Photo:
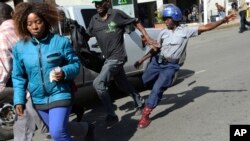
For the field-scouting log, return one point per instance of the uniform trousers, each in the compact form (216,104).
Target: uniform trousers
(161,74)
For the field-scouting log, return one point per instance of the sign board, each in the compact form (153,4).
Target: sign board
(126,6)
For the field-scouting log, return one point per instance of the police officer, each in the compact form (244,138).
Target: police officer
(165,61)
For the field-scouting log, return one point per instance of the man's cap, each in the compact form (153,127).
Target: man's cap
(93,1)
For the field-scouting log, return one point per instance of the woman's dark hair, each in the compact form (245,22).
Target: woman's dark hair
(48,13)
(5,12)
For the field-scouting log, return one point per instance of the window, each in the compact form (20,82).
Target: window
(87,15)
(63,26)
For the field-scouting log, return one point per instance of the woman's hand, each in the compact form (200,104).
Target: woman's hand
(59,76)
(19,109)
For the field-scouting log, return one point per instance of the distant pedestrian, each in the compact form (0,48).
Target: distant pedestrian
(243,13)
(165,61)
(194,13)
(201,12)
(108,26)
(45,64)
(234,5)
(8,38)
(186,13)
(221,11)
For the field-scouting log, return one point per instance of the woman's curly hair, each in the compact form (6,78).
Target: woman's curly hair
(48,13)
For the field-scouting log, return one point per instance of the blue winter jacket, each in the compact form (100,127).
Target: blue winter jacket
(32,62)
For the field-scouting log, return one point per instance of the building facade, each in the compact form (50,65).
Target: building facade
(145,9)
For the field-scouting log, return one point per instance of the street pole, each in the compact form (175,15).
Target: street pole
(226,7)
(205,11)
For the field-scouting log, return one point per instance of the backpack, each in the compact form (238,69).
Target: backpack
(78,37)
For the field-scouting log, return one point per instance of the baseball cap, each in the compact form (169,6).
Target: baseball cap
(93,1)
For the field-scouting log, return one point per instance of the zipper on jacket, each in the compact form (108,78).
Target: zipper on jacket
(40,65)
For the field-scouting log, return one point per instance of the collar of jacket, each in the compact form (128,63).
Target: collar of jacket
(37,41)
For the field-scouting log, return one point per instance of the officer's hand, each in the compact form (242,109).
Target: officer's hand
(230,17)
(19,110)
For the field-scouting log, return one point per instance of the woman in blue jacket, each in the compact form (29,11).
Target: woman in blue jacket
(35,56)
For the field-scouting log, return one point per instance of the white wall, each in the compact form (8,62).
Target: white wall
(211,8)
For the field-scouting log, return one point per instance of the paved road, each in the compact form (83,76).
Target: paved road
(211,93)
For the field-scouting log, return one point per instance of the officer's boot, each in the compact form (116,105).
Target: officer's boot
(145,121)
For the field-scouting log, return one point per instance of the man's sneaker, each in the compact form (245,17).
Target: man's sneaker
(243,30)
(111,120)
(91,132)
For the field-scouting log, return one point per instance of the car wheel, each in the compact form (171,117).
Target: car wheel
(6,133)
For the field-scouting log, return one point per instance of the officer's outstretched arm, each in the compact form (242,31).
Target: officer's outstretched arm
(212,25)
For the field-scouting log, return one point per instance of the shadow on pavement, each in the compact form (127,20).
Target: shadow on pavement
(125,129)
(127,126)
(186,97)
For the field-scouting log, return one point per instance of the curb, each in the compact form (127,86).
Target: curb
(228,25)
(232,24)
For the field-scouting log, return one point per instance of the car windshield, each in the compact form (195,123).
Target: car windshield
(87,14)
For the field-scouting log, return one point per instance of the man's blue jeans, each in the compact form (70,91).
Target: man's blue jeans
(162,75)
(114,68)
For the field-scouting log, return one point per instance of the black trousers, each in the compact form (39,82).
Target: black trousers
(243,20)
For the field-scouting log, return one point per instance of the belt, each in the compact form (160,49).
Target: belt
(162,60)
(170,60)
